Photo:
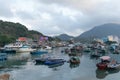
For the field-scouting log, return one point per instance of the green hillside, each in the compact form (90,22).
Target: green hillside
(10,31)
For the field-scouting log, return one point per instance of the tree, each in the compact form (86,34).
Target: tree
(5,40)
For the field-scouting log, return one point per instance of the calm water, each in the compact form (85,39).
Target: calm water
(26,69)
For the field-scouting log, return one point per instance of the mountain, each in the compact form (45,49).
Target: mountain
(101,31)
(64,37)
(10,31)
(16,30)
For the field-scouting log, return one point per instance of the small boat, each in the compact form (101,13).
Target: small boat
(102,66)
(54,61)
(25,48)
(86,49)
(113,65)
(38,52)
(67,51)
(95,54)
(116,51)
(48,48)
(105,60)
(40,60)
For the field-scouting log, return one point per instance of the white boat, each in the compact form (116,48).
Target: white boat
(113,66)
(25,48)
(48,47)
(13,46)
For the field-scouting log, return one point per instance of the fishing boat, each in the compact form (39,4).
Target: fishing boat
(102,66)
(113,65)
(116,51)
(54,61)
(39,51)
(87,50)
(105,60)
(40,60)
(95,54)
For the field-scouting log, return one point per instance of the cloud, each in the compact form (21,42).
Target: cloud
(52,17)
(5,10)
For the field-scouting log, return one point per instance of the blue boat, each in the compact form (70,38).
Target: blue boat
(38,52)
(54,61)
(40,60)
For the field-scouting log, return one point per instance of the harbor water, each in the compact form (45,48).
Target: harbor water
(21,66)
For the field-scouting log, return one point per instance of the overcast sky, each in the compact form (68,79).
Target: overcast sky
(53,17)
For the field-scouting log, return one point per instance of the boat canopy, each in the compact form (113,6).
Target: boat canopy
(105,57)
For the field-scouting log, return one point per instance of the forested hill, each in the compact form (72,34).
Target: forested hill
(10,31)
(64,37)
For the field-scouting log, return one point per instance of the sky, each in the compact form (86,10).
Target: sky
(54,17)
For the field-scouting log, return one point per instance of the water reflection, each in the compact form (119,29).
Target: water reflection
(22,67)
(55,65)
(14,61)
(74,65)
(101,74)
